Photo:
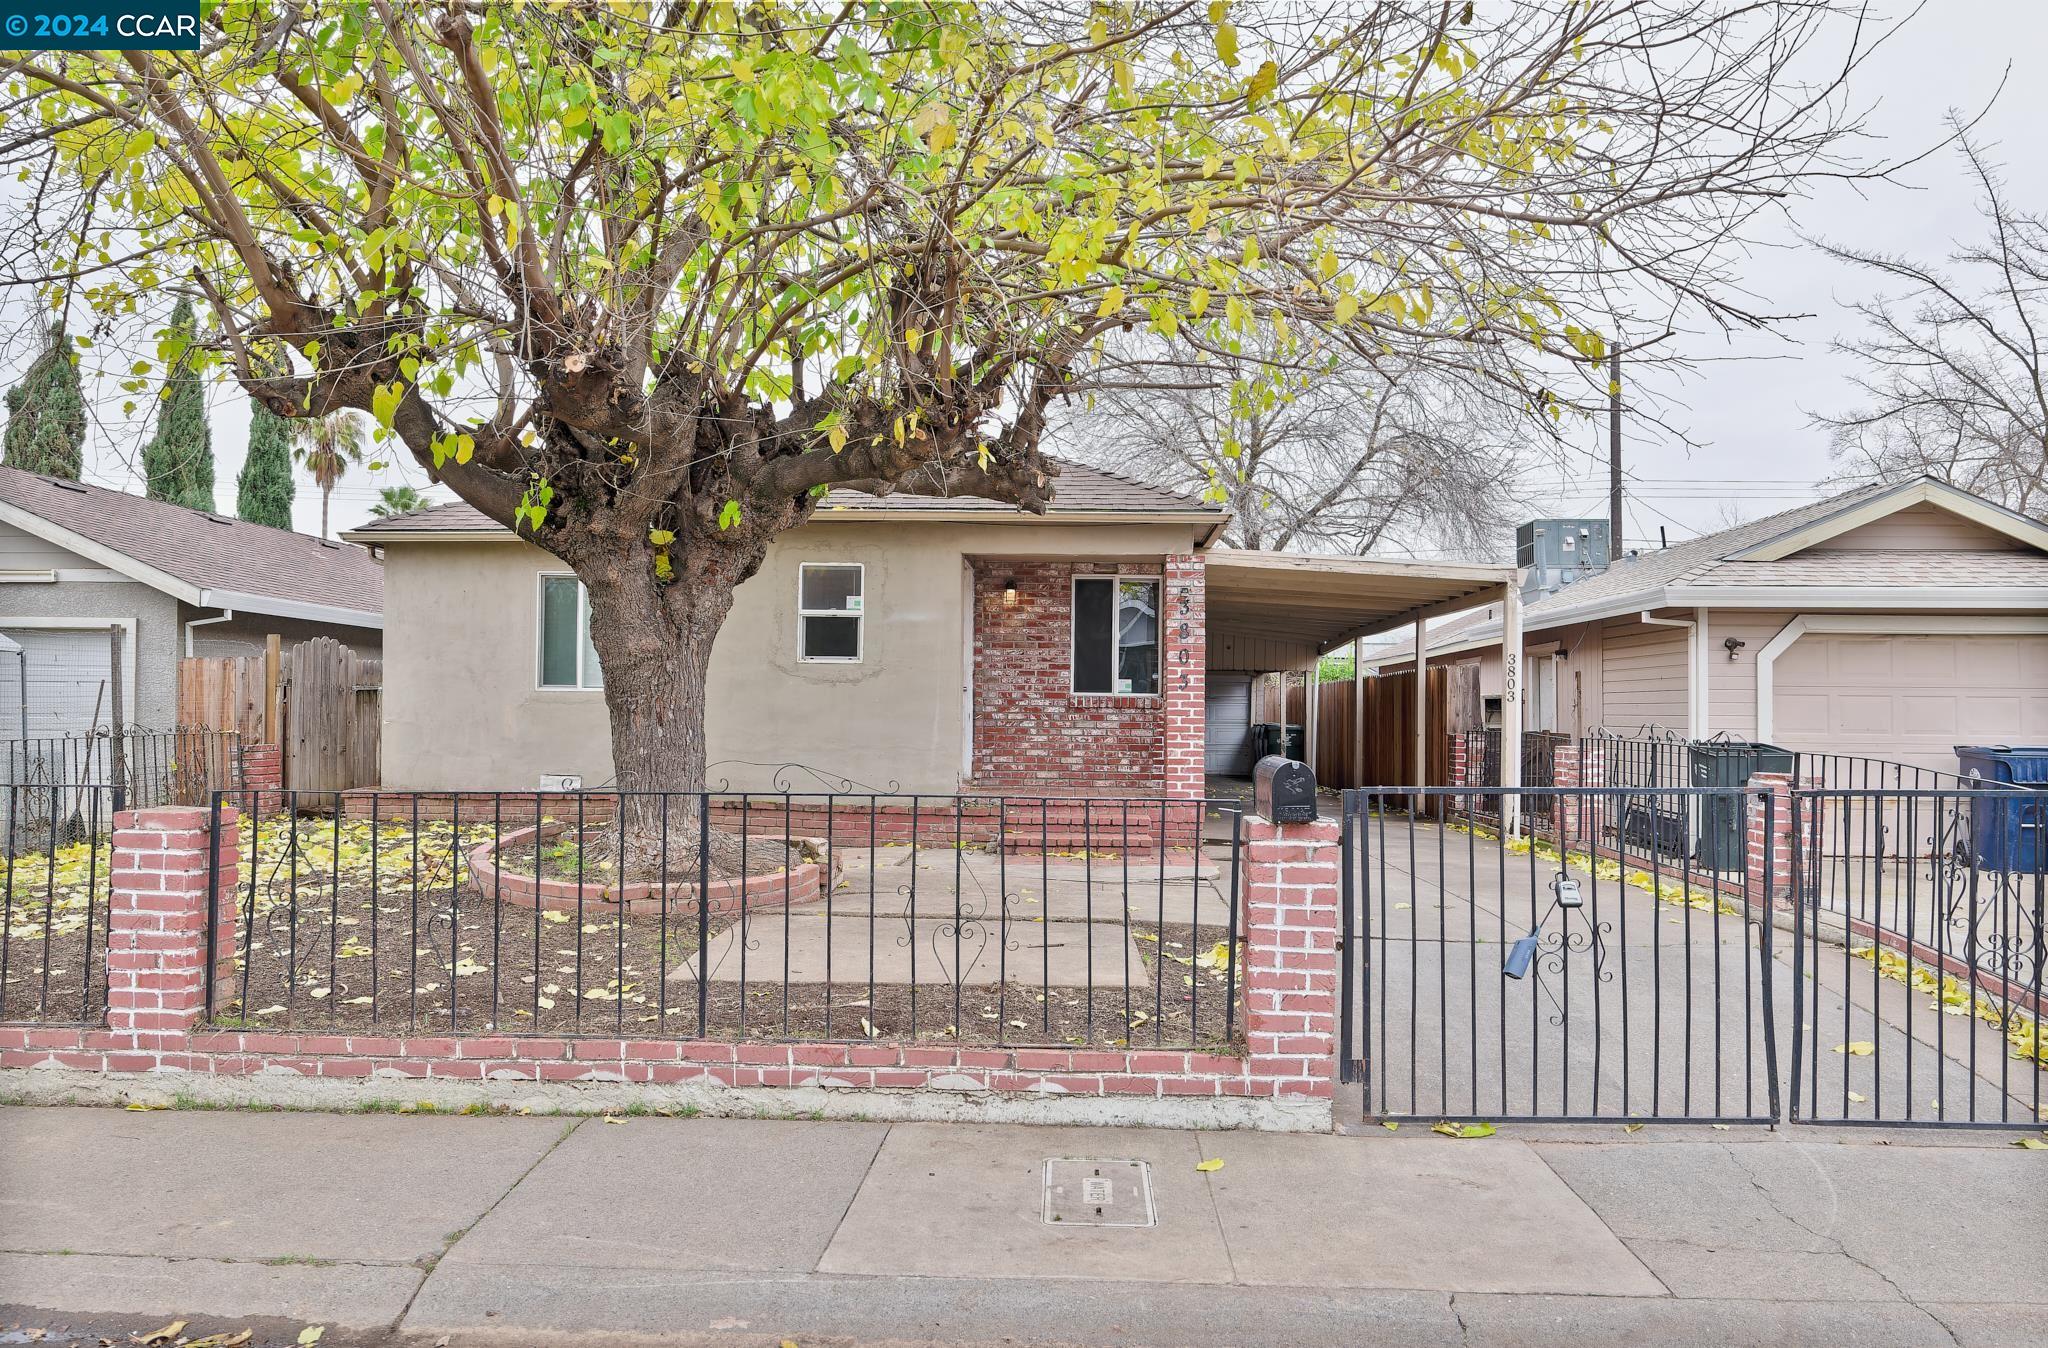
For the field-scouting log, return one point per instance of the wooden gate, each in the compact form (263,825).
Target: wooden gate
(332,716)
(320,702)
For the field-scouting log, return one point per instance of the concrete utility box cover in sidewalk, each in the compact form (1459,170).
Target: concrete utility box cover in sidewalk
(1098,1193)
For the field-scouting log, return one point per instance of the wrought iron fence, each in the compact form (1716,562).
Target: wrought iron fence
(792,916)
(1482,754)
(1919,953)
(141,768)
(54,896)
(1491,977)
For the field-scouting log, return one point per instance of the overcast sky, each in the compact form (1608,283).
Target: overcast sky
(1747,405)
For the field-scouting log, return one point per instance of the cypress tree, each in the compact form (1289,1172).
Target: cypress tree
(263,491)
(178,460)
(46,414)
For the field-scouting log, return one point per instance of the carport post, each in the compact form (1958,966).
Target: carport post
(1421,709)
(1510,705)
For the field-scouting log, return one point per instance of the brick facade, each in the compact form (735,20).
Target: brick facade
(1030,728)
(163,860)
(1184,652)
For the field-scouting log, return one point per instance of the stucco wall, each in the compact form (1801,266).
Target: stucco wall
(461,710)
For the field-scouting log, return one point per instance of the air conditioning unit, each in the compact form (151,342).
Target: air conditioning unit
(561,781)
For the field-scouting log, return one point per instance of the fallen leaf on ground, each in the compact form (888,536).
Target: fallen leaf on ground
(164,1335)
(310,1335)
(1856,1097)
(1720,1127)
(1859,1048)
(2032,1144)
(1391,1126)
(613,1118)
(1213,1163)
(222,1340)
(1631,1128)
(1449,1129)
(139,1105)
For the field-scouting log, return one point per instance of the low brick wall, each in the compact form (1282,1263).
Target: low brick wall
(154,1039)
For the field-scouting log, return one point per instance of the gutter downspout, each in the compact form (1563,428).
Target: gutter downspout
(1693,722)
(225,615)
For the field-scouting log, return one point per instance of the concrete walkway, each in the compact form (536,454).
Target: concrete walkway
(527,1229)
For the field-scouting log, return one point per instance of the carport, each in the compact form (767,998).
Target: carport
(1271,612)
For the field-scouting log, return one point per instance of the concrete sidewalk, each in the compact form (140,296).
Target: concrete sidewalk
(743,1231)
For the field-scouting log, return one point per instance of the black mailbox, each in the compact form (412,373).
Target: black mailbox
(1284,791)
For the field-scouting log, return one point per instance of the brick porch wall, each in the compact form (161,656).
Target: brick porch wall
(1030,727)
(157,958)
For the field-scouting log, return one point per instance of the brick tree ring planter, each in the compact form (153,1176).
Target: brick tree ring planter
(791,885)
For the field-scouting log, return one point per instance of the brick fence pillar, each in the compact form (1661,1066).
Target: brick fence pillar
(263,777)
(1767,844)
(1570,810)
(1291,982)
(1459,768)
(1185,652)
(156,919)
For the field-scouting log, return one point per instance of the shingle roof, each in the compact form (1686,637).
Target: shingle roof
(1682,562)
(1710,560)
(205,551)
(1080,490)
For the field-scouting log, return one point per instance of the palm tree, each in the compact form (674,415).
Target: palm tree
(327,446)
(395,501)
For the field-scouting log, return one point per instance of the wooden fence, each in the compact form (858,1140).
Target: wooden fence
(320,701)
(1389,724)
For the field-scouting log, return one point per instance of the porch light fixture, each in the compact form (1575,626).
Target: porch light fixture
(1010,593)
(1732,645)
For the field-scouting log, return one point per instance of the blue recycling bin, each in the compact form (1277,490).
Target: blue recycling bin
(2006,834)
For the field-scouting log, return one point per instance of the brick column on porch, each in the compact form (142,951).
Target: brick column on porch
(1291,982)
(1459,768)
(1184,651)
(156,919)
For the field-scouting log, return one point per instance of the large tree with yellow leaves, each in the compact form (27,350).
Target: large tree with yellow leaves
(643,281)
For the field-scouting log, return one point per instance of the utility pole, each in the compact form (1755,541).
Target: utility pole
(1614,544)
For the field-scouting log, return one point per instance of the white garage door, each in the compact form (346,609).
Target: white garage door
(69,691)
(1910,699)
(1228,743)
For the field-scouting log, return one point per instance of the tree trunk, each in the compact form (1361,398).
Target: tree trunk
(653,642)
(326,493)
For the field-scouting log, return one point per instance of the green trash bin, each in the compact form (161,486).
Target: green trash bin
(1727,765)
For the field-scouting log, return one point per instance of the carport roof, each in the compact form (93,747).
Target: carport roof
(1327,601)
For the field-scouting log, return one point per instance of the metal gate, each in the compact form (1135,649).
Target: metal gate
(1560,973)
(1918,957)
(1579,968)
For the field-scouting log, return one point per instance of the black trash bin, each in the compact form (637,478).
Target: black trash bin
(2005,834)
(1297,744)
(1727,765)
(1267,740)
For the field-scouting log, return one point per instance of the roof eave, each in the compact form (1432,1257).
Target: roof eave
(843,515)
(92,549)
(272,607)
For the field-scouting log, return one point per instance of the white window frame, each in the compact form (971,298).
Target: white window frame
(1158,584)
(859,615)
(540,635)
